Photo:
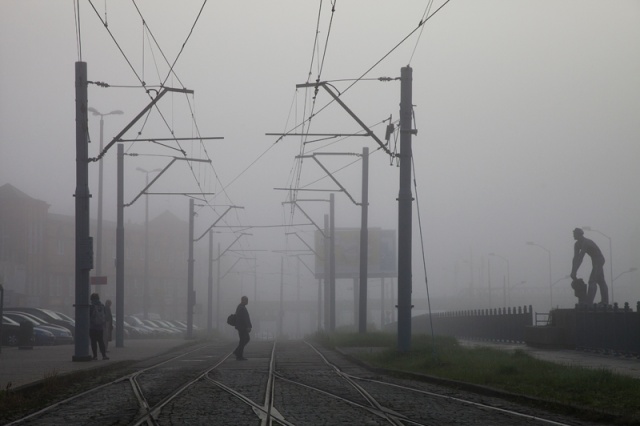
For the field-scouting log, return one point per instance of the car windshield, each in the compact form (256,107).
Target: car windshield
(136,321)
(51,314)
(65,317)
(6,320)
(19,317)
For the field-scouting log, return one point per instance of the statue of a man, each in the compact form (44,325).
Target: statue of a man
(586,246)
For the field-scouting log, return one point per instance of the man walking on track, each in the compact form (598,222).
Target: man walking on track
(243,325)
(586,246)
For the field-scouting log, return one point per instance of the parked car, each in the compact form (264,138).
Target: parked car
(137,322)
(62,334)
(136,332)
(162,330)
(11,331)
(179,325)
(48,316)
(65,316)
(43,337)
(175,330)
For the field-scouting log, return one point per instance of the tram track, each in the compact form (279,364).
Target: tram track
(284,383)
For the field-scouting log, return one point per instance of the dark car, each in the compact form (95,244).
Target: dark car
(136,332)
(161,330)
(62,334)
(11,331)
(137,322)
(48,316)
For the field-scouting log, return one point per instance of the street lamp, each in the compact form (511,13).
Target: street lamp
(145,291)
(514,286)
(588,228)
(628,271)
(504,298)
(566,277)
(529,243)
(100,184)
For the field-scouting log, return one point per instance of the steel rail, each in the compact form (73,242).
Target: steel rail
(100,387)
(156,409)
(461,400)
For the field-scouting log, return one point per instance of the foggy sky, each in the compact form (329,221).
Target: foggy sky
(527,118)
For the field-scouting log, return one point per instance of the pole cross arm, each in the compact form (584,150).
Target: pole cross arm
(217,220)
(231,267)
(342,188)
(305,243)
(307,216)
(368,131)
(137,117)
(161,173)
(171,139)
(227,249)
(304,264)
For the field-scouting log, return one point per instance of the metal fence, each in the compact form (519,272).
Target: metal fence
(500,325)
(608,329)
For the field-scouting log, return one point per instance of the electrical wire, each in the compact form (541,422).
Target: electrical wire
(171,72)
(303,139)
(424,262)
(186,40)
(76,16)
(326,42)
(421,23)
(424,15)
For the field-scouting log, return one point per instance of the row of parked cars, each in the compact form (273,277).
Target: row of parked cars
(48,327)
(55,328)
(139,328)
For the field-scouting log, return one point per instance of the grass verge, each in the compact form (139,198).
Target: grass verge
(599,390)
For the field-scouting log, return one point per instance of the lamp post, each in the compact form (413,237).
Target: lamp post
(588,228)
(529,243)
(100,184)
(628,271)
(566,277)
(514,286)
(508,278)
(145,291)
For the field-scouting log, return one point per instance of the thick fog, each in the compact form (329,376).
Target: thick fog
(526,115)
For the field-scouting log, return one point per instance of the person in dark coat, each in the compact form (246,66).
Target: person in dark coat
(243,325)
(96,326)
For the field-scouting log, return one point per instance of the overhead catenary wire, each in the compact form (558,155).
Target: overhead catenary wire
(76,17)
(298,162)
(424,261)
(355,81)
(171,72)
(427,9)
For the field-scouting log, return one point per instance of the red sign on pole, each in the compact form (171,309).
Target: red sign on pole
(99,280)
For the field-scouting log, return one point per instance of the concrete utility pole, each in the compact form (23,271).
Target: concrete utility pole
(84,249)
(191,299)
(210,286)
(120,251)
(100,186)
(218,289)
(405,217)
(281,310)
(332,263)
(220,278)
(327,274)
(145,288)
(364,243)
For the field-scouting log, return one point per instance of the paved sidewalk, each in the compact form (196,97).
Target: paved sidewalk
(19,367)
(621,365)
